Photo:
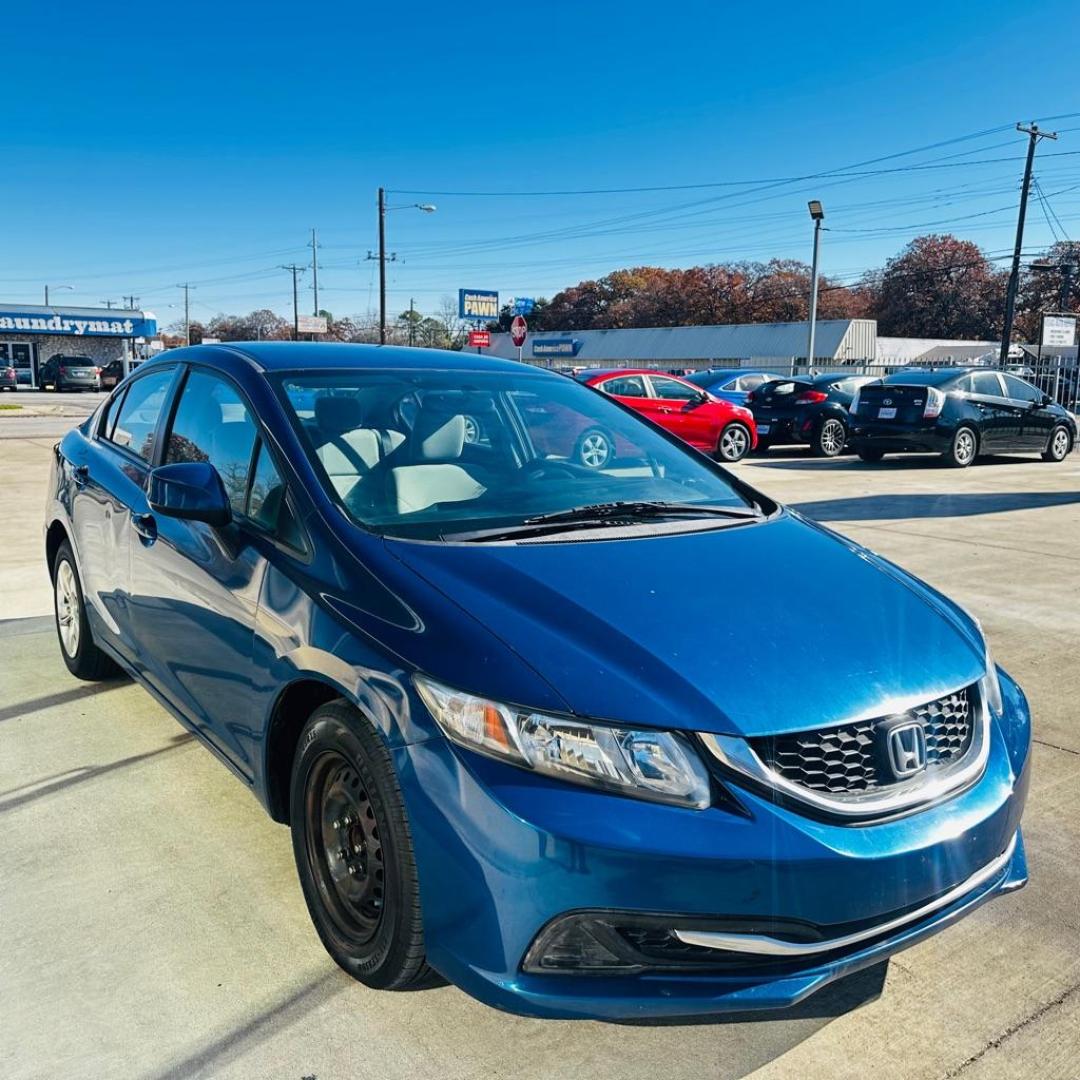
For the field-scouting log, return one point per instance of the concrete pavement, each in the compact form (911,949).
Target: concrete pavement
(151,923)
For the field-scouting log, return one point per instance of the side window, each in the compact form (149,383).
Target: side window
(138,414)
(212,424)
(750,382)
(109,415)
(267,505)
(1019,390)
(672,389)
(625,386)
(986,383)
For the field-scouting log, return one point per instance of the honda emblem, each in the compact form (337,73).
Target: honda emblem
(907,749)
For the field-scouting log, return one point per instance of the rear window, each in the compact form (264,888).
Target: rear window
(781,388)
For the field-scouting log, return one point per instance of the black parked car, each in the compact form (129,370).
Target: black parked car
(959,413)
(69,373)
(811,410)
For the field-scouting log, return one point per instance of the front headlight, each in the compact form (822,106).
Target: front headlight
(990,685)
(655,765)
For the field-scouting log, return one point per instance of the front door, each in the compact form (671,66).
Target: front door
(195,588)
(1036,419)
(679,406)
(22,359)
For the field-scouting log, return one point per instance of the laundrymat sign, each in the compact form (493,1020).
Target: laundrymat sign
(75,324)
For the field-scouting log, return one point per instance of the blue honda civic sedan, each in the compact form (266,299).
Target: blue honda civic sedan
(518,737)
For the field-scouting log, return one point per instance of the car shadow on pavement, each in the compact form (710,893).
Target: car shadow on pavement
(890,464)
(61,697)
(50,785)
(969,504)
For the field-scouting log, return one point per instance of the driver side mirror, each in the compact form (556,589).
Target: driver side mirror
(191,491)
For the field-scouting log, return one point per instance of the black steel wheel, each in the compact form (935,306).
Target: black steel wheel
(354,851)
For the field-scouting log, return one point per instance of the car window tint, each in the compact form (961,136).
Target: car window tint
(750,382)
(672,389)
(268,506)
(1020,390)
(110,413)
(625,386)
(986,382)
(138,414)
(212,424)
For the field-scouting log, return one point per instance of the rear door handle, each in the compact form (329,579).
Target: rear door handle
(144,525)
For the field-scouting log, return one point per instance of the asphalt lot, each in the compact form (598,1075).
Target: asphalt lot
(151,923)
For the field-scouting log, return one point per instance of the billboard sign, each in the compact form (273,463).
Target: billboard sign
(478,305)
(479,339)
(311,324)
(523,305)
(75,323)
(555,346)
(1059,330)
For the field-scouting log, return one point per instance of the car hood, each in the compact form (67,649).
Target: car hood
(746,630)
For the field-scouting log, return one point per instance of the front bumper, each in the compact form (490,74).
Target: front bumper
(502,853)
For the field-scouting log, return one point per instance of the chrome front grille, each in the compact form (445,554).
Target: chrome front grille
(850,759)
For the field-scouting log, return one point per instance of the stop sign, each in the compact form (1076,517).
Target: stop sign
(518,329)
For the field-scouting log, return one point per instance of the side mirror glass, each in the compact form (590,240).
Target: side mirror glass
(191,491)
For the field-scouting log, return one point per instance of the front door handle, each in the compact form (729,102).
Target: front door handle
(144,525)
(664,409)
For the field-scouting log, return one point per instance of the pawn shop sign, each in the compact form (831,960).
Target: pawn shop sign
(518,329)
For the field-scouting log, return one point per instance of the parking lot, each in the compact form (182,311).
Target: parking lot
(151,923)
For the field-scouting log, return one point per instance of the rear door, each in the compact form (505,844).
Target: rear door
(1036,419)
(999,421)
(110,488)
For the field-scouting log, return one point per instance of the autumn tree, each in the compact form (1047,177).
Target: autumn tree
(939,287)
(1051,283)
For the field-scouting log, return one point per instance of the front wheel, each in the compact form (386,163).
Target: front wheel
(1059,445)
(830,438)
(354,851)
(83,658)
(963,449)
(734,443)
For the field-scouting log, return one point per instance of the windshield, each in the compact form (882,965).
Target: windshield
(426,454)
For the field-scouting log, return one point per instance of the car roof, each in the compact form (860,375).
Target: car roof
(293,355)
(931,376)
(602,373)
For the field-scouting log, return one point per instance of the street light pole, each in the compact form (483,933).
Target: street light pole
(818,214)
(70,288)
(295,271)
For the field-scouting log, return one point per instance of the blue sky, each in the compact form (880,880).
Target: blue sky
(201,143)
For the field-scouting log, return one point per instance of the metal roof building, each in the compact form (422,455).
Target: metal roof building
(837,341)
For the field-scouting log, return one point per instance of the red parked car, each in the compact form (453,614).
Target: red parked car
(719,428)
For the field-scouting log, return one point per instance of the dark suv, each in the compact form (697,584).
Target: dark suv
(959,413)
(70,373)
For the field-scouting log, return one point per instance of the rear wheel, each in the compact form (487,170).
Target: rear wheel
(354,852)
(868,454)
(594,449)
(963,449)
(830,437)
(83,658)
(734,443)
(1059,444)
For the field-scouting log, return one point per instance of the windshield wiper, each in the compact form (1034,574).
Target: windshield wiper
(606,514)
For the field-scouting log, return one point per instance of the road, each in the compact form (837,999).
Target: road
(152,924)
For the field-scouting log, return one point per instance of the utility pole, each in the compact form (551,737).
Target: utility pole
(296,271)
(108,303)
(187,311)
(818,214)
(382,266)
(132,302)
(315,271)
(412,321)
(1034,135)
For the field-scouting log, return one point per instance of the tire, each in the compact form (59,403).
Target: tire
(867,454)
(365,901)
(1058,445)
(83,658)
(594,449)
(830,438)
(734,443)
(963,449)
